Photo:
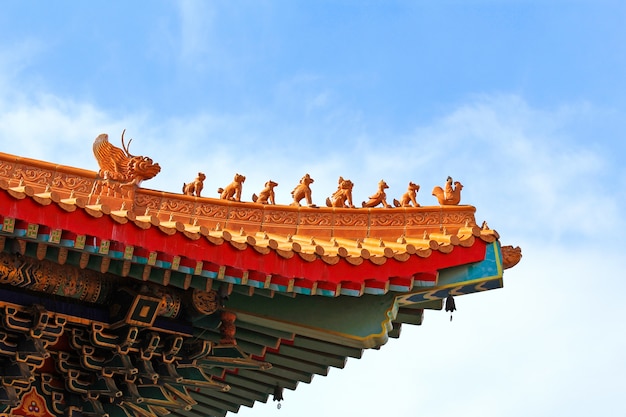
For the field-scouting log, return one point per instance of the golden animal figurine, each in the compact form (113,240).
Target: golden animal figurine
(232,190)
(267,194)
(120,170)
(303,190)
(343,196)
(408,198)
(195,187)
(451,195)
(379,198)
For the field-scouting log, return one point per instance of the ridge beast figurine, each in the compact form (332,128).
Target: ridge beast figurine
(120,170)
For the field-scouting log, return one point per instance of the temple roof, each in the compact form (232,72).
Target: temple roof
(264,295)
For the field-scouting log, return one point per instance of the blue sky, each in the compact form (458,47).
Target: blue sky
(522,101)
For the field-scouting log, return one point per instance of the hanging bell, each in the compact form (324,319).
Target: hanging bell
(450,305)
(278,395)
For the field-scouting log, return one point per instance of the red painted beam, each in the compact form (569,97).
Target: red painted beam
(152,239)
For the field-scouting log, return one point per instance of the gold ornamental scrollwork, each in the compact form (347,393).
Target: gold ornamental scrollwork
(71,183)
(51,278)
(247,214)
(212,211)
(144,201)
(315,219)
(34,175)
(170,305)
(280,217)
(205,302)
(351,219)
(426,218)
(387,219)
(176,206)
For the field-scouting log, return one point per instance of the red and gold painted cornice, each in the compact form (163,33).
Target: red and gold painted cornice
(286,248)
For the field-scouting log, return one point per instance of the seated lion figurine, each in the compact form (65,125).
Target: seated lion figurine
(408,198)
(233,190)
(343,196)
(267,194)
(303,190)
(195,187)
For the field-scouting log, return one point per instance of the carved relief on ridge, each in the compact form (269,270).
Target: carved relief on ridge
(422,219)
(6,168)
(147,202)
(351,219)
(247,214)
(315,219)
(73,183)
(280,217)
(173,205)
(387,219)
(33,175)
(457,217)
(213,211)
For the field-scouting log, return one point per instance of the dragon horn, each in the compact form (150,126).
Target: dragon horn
(126,147)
